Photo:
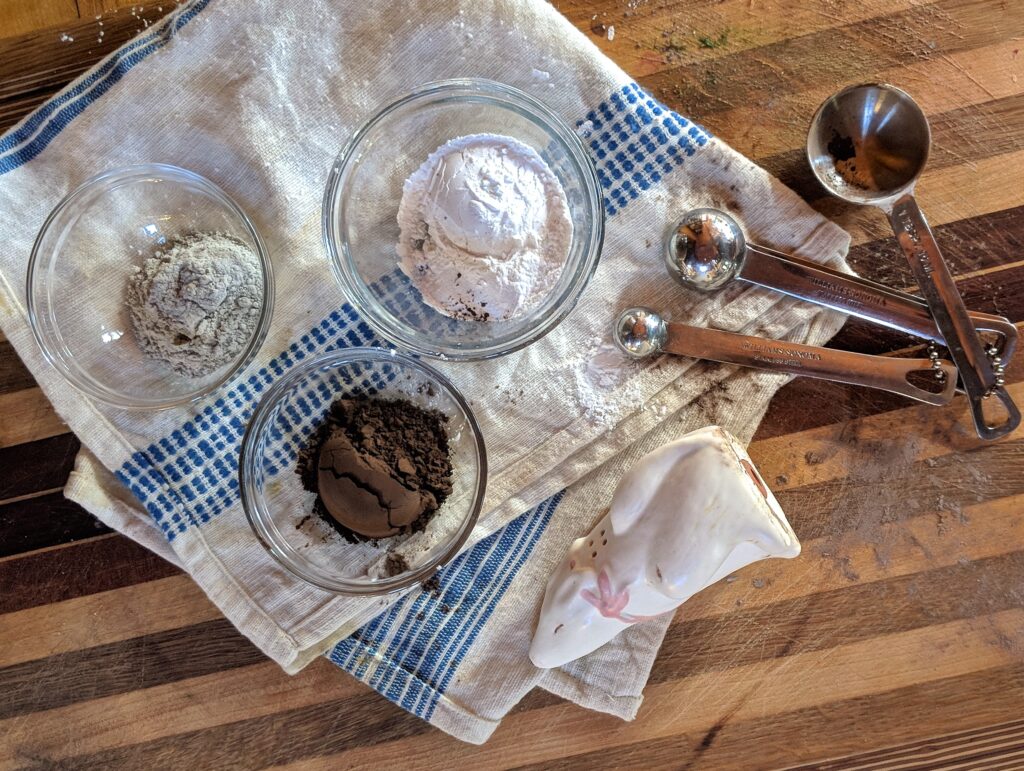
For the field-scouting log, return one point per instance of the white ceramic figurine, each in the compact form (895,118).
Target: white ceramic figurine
(685,516)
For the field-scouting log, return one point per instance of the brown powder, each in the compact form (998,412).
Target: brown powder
(373,458)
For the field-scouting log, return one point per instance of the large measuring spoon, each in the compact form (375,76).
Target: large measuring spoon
(706,249)
(868,145)
(641,332)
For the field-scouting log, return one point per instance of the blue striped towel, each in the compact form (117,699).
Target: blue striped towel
(259,98)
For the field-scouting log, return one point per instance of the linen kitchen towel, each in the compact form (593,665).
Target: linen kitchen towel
(259,98)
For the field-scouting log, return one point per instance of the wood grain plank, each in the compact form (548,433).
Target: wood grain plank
(940,83)
(957,747)
(130,612)
(691,705)
(978,699)
(654,37)
(26,416)
(20,16)
(46,520)
(76,570)
(196,703)
(842,54)
(37,62)
(13,374)
(35,466)
(124,666)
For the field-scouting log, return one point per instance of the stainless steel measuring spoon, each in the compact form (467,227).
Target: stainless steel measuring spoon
(868,145)
(641,332)
(706,249)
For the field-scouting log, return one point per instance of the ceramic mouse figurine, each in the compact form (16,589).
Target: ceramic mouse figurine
(685,516)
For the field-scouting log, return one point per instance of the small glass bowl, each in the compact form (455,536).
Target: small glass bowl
(280,510)
(365,187)
(82,259)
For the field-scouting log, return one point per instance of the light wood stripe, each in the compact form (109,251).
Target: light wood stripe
(938,85)
(20,16)
(27,415)
(790,19)
(142,609)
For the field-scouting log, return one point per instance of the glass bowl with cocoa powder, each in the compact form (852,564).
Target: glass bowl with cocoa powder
(363,471)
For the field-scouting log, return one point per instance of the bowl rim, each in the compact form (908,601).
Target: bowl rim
(249,495)
(356,290)
(138,172)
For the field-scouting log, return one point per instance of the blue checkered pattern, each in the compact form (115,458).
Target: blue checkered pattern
(411,652)
(634,141)
(190,476)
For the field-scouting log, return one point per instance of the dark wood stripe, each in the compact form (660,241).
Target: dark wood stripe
(1009,735)
(128,665)
(320,729)
(47,520)
(703,90)
(76,570)
(811,623)
(13,374)
(35,466)
(843,725)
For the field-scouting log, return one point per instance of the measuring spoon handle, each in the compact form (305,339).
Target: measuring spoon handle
(947,307)
(887,374)
(860,297)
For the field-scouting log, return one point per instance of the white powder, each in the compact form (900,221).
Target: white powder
(485,228)
(195,304)
(604,383)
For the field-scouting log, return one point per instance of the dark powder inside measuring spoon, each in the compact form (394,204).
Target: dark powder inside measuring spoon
(379,467)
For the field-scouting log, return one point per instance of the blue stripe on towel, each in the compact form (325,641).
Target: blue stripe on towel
(414,667)
(53,117)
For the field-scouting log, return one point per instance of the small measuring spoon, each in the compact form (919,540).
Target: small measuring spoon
(641,332)
(706,250)
(868,145)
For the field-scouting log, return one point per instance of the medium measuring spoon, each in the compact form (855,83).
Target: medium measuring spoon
(706,250)
(641,332)
(868,145)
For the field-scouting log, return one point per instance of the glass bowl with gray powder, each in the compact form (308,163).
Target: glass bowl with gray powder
(283,510)
(149,287)
(464,220)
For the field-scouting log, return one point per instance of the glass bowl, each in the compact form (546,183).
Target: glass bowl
(85,253)
(280,511)
(365,187)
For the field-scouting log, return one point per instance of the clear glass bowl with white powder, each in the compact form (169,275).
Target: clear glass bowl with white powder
(365,193)
(280,511)
(89,249)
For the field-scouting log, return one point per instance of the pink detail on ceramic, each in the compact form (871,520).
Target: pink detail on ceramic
(610,603)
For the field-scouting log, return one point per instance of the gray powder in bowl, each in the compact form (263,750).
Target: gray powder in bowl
(195,304)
